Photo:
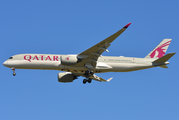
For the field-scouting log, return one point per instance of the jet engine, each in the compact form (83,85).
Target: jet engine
(66,77)
(69,59)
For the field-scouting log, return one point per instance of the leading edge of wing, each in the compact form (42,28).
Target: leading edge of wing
(105,43)
(91,55)
(95,77)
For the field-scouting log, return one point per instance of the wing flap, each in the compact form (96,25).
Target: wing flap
(95,77)
(91,55)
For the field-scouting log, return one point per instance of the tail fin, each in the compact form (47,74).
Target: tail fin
(160,50)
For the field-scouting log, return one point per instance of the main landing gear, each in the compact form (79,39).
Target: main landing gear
(87,80)
(14,73)
(87,74)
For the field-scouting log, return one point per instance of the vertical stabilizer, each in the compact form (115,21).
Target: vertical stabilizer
(160,50)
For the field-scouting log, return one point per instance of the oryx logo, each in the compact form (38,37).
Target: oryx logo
(67,58)
(160,51)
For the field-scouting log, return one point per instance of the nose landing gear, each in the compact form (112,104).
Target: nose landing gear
(14,73)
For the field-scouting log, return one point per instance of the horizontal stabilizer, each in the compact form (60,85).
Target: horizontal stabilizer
(163,66)
(164,58)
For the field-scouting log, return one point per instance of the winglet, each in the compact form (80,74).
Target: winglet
(109,79)
(127,25)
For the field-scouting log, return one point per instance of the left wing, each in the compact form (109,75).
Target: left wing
(90,56)
(94,77)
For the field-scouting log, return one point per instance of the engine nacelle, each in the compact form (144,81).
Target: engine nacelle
(69,59)
(66,77)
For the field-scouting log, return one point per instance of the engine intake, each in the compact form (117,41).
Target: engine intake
(66,77)
(69,59)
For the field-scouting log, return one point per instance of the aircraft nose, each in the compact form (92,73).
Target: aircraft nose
(5,63)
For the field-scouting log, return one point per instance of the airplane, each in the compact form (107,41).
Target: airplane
(91,61)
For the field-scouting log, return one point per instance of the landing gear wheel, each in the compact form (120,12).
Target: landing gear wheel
(14,74)
(91,72)
(89,80)
(84,81)
(87,72)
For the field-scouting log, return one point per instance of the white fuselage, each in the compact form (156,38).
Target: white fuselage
(53,62)
(90,61)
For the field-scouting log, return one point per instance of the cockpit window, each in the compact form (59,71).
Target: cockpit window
(11,58)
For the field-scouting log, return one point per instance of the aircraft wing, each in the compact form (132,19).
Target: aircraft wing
(94,77)
(90,56)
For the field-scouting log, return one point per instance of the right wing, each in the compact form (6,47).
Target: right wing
(90,56)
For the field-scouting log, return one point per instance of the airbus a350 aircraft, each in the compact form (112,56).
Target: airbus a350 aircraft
(91,61)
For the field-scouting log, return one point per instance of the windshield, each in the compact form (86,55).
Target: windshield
(11,58)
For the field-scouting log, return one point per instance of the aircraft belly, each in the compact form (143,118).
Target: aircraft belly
(83,69)
(125,67)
